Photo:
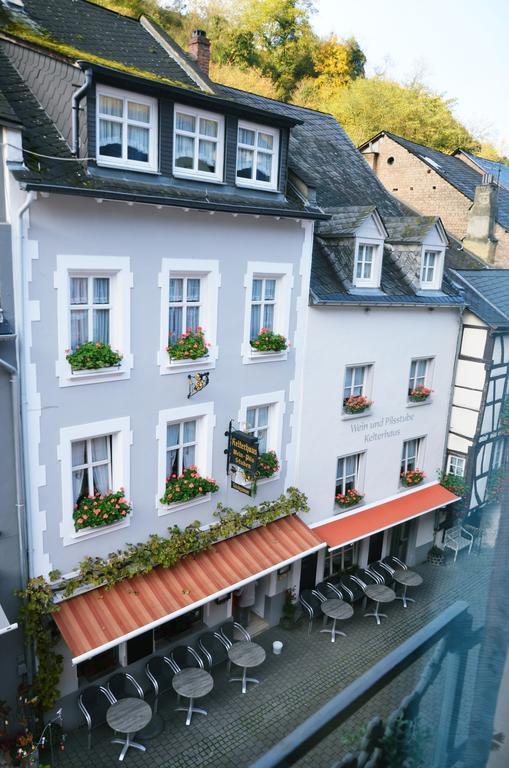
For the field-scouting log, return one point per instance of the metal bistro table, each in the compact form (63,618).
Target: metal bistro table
(380,594)
(336,609)
(407,579)
(192,683)
(128,716)
(246,654)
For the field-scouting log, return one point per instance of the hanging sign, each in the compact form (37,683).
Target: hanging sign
(242,452)
(247,490)
(197,382)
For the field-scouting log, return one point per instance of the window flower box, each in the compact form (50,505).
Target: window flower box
(268,465)
(268,341)
(189,346)
(187,486)
(93,356)
(349,499)
(419,394)
(412,477)
(503,420)
(495,484)
(453,483)
(356,404)
(100,510)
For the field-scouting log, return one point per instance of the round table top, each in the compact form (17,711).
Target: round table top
(193,682)
(380,592)
(129,715)
(407,578)
(246,654)
(337,609)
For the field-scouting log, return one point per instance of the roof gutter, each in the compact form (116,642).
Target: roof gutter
(76,98)
(384,304)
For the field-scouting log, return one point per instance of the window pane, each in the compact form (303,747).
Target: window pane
(184,152)
(265,140)
(263,167)
(172,435)
(270,290)
(79,290)
(79,453)
(172,462)
(176,289)
(185,122)
(262,440)
(268,316)
(340,470)
(193,289)
(348,378)
(79,327)
(208,127)
(137,143)
(79,484)
(110,138)
(174,324)
(256,294)
(101,290)
(250,418)
(109,105)
(192,318)
(189,431)
(207,156)
(358,272)
(101,329)
(246,137)
(263,415)
(358,376)
(255,321)
(188,457)
(245,163)
(139,112)
(100,448)
(351,465)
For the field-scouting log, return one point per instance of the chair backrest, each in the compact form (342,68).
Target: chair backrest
(311,602)
(351,589)
(122,685)
(94,702)
(367,577)
(395,563)
(213,648)
(160,673)
(183,656)
(228,629)
(383,573)
(328,591)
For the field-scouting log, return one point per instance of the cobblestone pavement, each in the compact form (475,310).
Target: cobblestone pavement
(305,676)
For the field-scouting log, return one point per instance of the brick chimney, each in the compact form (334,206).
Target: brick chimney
(480,236)
(199,49)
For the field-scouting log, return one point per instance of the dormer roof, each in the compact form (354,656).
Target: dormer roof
(348,220)
(415,229)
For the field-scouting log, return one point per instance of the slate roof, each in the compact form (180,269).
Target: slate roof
(346,220)
(7,114)
(455,171)
(409,229)
(487,293)
(499,171)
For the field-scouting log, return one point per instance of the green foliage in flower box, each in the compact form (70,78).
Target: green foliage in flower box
(503,419)
(356,404)
(268,341)
(189,346)
(412,477)
(189,485)
(93,354)
(100,510)
(454,483)
(349,499)
(268,465)
(495,484)
(419,393)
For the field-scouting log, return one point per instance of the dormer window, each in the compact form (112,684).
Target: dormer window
(368,264)
(257,156)
(198,145)
(431,269)
(126,130)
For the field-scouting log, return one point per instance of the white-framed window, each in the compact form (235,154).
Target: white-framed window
(189,298)
(348,473)
(411,455)
(93,457)
(198,145)
(185,437)
(127,129)
(268,296)
(367,264)
(498,454)
(262,416)
(257,155)
(358,381)
(456,465)
(93,304)
(420,373)
(431,268)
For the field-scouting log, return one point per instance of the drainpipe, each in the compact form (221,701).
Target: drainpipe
(76,98)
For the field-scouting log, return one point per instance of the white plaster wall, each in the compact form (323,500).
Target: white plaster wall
(390,338)
(424,532)
(458,444)
(470,374)
(463,421)
(467,398)
(474,342)
(470,319)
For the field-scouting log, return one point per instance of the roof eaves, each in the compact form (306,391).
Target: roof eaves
(481,295)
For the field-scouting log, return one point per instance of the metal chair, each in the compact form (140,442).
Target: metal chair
(382,572)
(351,589)
(160,672)
(365,577)
(228,629)
(122,685)
(311,601)
(394,563)
(94,702)
(328,590)
(213,648)
(184,656)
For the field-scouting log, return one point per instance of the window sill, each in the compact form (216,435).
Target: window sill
(84,373)
(181,366)
(168,509)
(350,416)
(76,536)
(254,185)
(208,179)
(69,378)
(265,357)
(411,404)
(126,166)
(342,510)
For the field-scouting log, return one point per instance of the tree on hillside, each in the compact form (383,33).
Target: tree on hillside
(337,62)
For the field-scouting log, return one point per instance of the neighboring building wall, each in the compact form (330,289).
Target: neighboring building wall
(417,185)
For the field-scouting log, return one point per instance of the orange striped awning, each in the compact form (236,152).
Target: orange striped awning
(349,528)
(100,619)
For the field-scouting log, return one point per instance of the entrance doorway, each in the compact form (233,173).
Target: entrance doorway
(399,541)
(308,572)
(376,543)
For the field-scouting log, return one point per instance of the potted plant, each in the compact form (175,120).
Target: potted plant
(419,393)
(289,618)
(412,477)
(187,486)
(435,555)
(454,483)
(268,465)
(349,499)
(268,341)
(494,484)
(356,404)
(93,355)
(189,346)
(100,509)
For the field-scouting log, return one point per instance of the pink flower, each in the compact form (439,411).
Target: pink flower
(105,517)
(79,520)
